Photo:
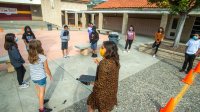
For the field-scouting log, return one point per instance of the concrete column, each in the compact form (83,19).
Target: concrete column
(66,18)
(100,21)
(124,23)
(83,20)
(76,20)
(164,20)
(92,18)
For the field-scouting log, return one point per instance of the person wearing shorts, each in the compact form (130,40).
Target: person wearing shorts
(64,35)
(38,70)
(41,82)
(64,46)
(94,39)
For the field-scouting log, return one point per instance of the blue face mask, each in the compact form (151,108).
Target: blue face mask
(195,37)
(16,39)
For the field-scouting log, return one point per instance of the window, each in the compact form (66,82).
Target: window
(172,34)
(175,23)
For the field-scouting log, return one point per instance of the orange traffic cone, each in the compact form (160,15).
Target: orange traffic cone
(169,107)
(197,68)
(189,78)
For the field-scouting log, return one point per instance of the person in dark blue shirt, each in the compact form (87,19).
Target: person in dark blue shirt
(15,58)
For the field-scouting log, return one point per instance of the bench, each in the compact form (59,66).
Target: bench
(104,31)
(84,48)
(5,59)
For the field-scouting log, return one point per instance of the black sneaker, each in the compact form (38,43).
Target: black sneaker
(95,55)
(46,101)
(181,70)
(47,109)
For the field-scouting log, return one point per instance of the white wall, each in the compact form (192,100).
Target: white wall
(23,1)
(73,6)
(51,15)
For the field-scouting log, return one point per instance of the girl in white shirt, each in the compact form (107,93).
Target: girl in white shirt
(38,70)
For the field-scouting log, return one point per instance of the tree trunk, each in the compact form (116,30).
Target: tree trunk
(180,26)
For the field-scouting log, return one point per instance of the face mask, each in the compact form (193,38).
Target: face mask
(102,52)
(195,38)
(16,39)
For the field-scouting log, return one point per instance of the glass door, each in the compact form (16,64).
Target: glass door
(172,28)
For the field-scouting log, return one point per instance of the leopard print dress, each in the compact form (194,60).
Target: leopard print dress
(104,95)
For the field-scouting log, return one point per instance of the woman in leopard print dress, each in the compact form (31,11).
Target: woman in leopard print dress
(104,95)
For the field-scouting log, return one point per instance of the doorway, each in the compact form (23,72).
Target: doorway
(172,28)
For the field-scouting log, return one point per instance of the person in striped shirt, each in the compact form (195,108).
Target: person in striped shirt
(38,70)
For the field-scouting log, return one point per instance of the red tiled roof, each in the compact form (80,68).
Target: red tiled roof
(85,0)
(113,4)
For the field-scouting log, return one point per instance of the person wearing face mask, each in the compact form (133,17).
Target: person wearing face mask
(28,36)
(129,38)
(15,58)
(192,47)
(104,95)
(159,37)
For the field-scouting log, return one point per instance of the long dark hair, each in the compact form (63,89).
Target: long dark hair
(162,30)
(10,41)
(111,51)
(26,32)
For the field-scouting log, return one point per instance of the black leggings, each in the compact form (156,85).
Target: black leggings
(189,59)
(20,74)
(157,45)
(128,43)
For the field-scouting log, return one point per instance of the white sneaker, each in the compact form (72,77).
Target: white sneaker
(24,82)
(124,51)
(65,56)
(128,51)
(23,86)
(154,56)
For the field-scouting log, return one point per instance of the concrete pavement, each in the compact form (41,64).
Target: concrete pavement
(66,93)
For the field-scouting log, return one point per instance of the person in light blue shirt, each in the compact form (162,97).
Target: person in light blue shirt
(90,31)
(65,37)
(192,47)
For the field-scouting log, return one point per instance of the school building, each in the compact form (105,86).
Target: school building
(146,18)
(118,15)
(18,10)
(60,12)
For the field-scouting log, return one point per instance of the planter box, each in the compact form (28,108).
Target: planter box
(164,53)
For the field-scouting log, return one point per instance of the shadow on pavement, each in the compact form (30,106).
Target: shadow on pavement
(56,78)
